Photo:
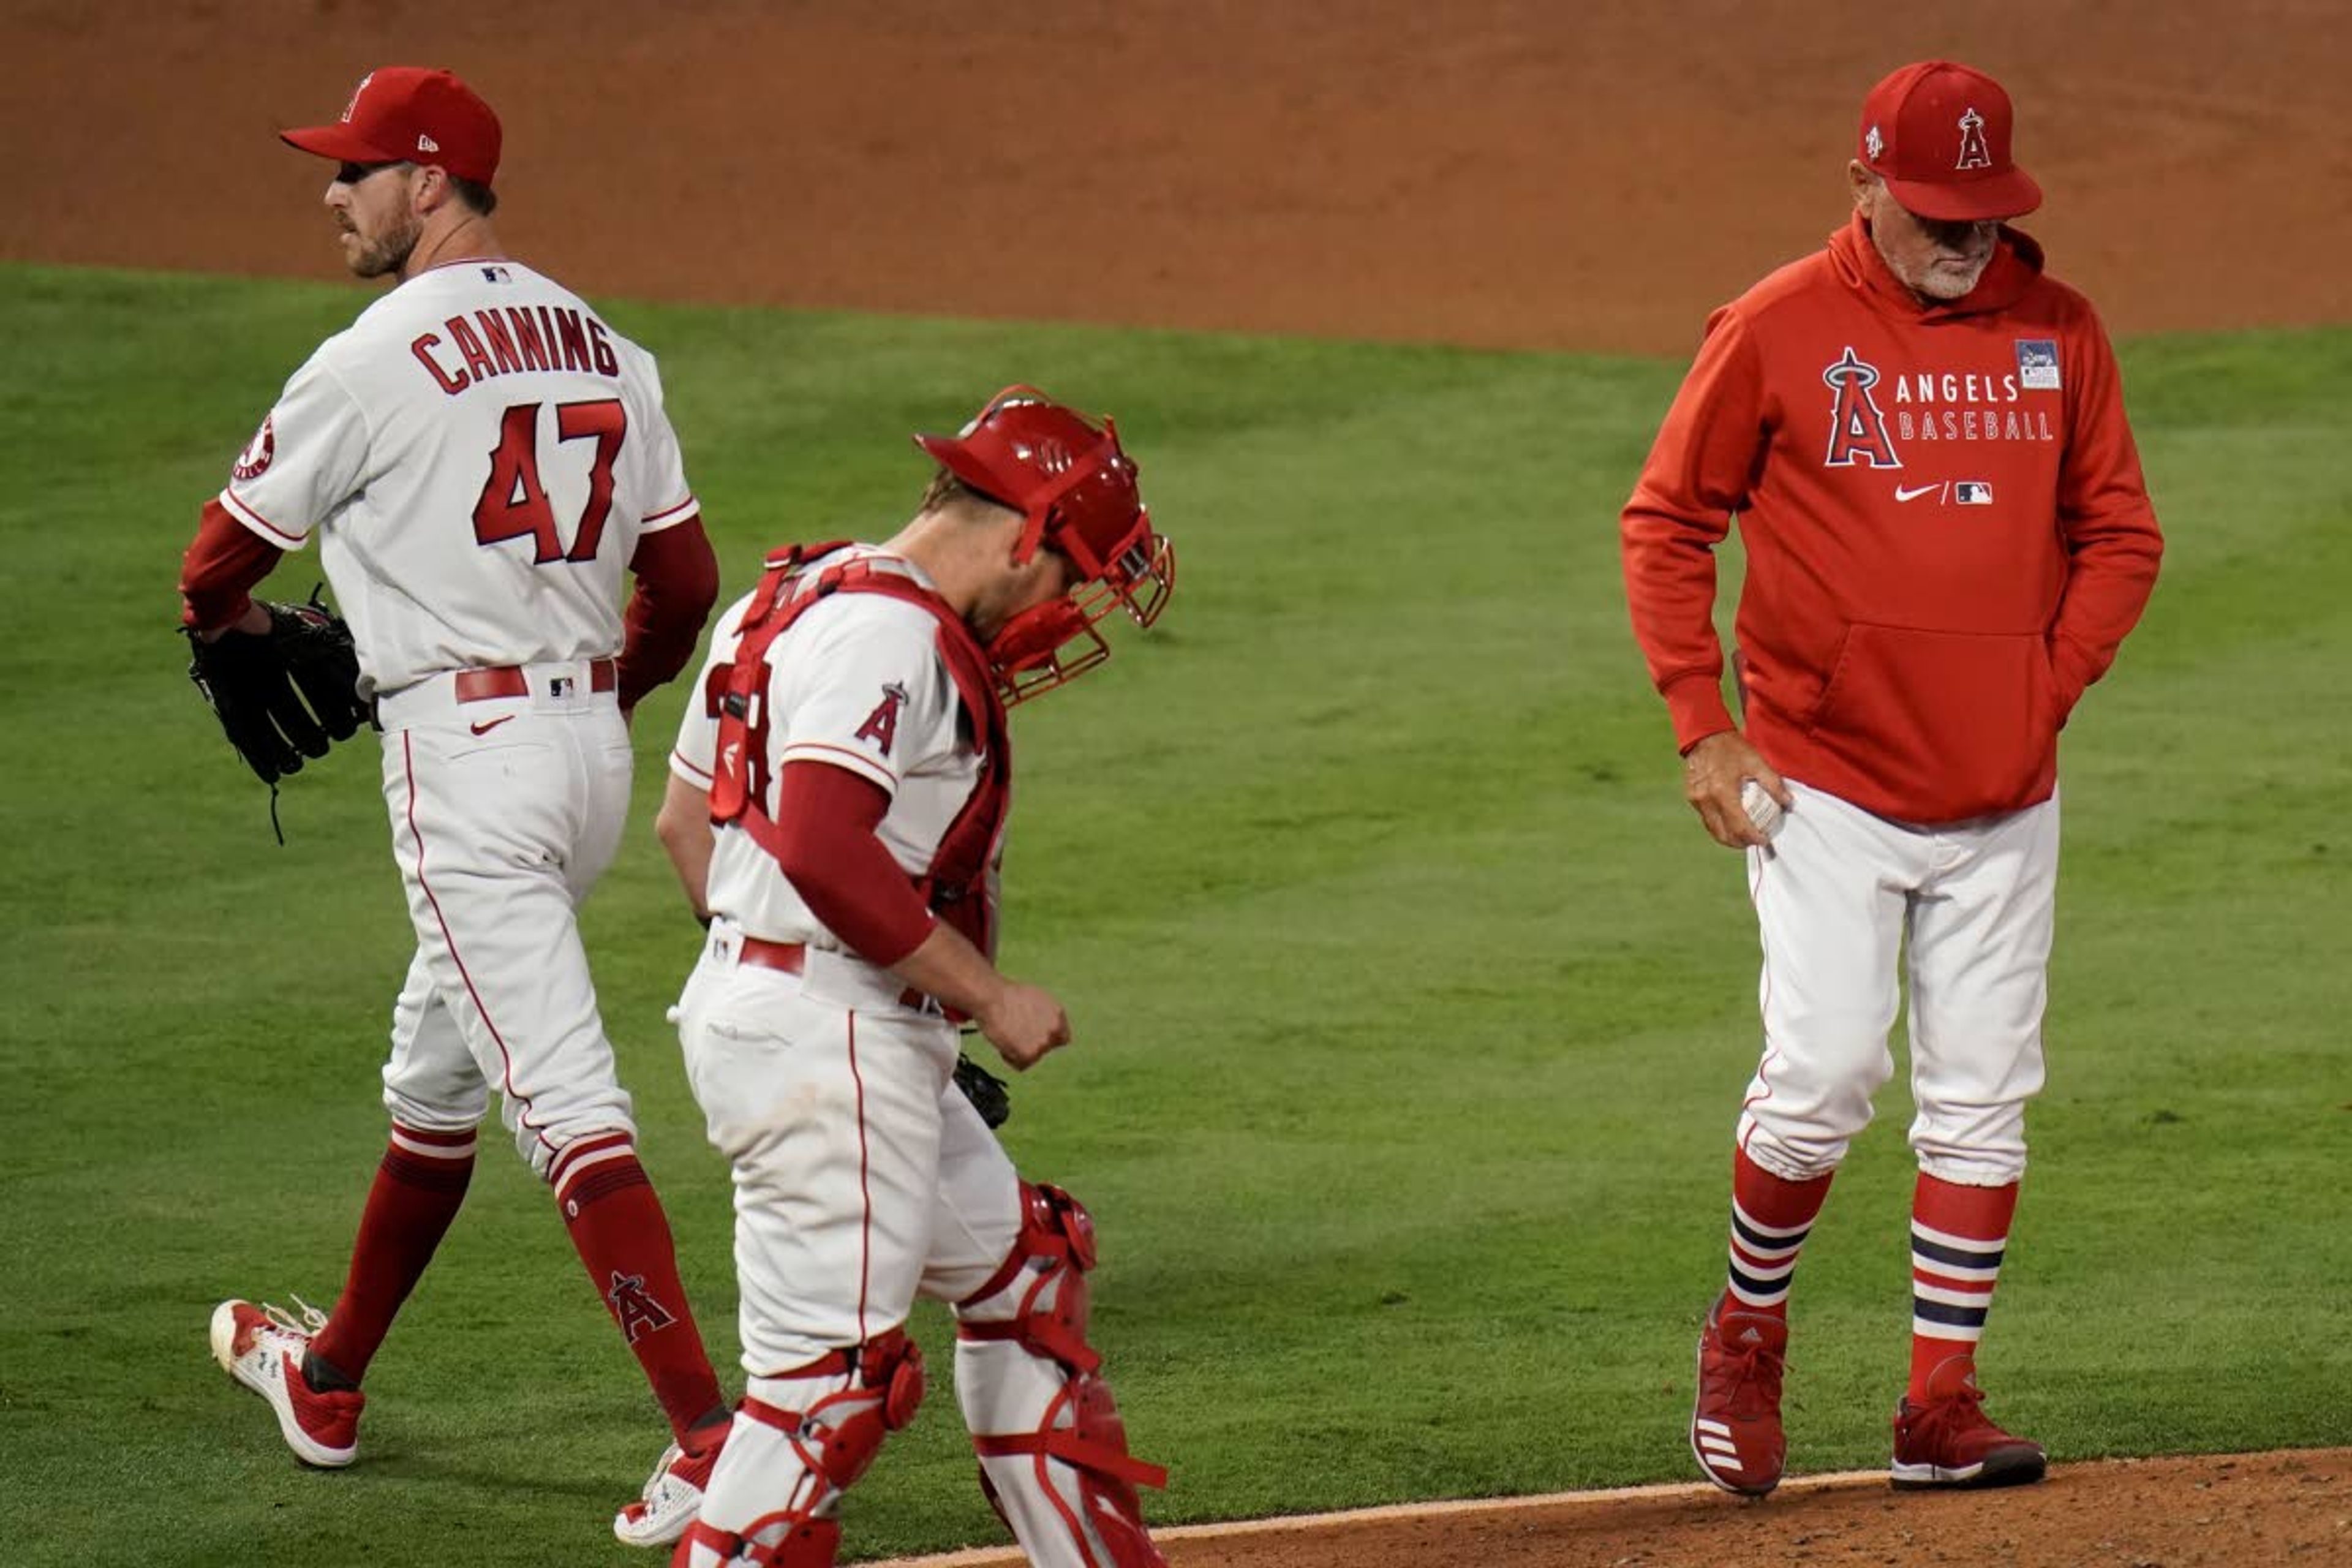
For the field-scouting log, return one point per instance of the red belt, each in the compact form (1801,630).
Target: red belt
(792,958)
(508,680)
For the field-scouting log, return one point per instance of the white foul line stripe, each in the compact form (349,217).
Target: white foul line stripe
(1011,1557)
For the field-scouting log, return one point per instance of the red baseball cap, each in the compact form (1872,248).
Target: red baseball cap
(1937,133)
(408,114)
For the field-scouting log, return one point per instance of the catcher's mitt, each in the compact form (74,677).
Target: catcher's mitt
(984,1089)
(286,693)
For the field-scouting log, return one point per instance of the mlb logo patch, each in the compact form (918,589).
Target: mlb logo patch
(497,275)
(2037,364)
(1971,492)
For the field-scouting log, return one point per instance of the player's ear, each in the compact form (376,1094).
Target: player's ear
(1861,183)
(428,188)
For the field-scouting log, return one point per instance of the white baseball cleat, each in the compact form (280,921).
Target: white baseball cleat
(262,1347)
(672,1496)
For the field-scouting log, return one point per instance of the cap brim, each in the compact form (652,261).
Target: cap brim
(338,142)
(2012,194)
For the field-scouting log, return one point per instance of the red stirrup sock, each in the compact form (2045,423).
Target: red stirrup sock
(1770,1218)
(1958,1236)
(622,1235)
(419,1189)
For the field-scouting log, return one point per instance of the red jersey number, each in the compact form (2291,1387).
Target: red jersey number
(514,504)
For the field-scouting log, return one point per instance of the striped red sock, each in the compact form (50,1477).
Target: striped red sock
(419,1190)
(1770,1218)
(622,1235)
(1957,1237)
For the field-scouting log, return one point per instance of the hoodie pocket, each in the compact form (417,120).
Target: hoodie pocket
(1966,721)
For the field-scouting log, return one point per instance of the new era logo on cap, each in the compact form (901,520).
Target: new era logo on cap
(1938,133)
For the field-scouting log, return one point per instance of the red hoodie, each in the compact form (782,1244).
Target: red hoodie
(1946,531)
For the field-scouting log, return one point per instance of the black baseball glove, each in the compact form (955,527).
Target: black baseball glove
(984,1089)
(286,693)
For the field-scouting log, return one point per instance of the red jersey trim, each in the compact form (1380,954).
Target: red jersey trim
(260,524)
(684,768)
(671,516)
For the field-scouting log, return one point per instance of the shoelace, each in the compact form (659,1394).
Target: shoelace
(1950,1416)
(1748,1370)
(311,1321)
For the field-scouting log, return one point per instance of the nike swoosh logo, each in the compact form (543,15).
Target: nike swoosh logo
(1913,492)
(486,725)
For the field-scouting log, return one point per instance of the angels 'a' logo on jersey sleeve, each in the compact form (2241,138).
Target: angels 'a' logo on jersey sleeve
(881,726)
(251,462)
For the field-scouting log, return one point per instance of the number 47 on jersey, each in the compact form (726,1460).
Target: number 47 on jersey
(514,502)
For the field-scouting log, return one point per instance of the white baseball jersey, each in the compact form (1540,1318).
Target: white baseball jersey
(858,682)
(478,454)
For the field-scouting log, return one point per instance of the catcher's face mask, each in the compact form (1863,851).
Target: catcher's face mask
(1065,472)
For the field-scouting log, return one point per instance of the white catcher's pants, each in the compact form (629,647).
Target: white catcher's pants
(862,1174)
(1836,897)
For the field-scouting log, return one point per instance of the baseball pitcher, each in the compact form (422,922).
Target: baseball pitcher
(480,456)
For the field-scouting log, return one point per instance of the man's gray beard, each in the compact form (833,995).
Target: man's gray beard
(389,255)
(1943,286)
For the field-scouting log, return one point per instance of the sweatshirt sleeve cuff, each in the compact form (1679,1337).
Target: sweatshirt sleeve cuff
(1696,703)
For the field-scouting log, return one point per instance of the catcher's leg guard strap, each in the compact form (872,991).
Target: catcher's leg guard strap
(1053,1451)
(801,1438)
(810,1543)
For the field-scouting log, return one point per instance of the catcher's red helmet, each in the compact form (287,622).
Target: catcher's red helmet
(1065,472)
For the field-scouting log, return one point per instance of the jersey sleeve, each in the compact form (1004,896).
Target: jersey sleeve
(867,691)
(694,757)
(304,462)
(662,487)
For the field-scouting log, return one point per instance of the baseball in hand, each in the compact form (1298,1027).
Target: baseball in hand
(1761,808)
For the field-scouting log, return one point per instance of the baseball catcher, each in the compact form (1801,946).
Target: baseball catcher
(283,693)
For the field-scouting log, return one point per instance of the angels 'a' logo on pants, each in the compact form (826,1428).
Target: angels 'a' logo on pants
(634,1309)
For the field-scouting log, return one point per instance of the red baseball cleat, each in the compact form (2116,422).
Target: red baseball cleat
(1736,1424)
(262,1347)
(1949,1441)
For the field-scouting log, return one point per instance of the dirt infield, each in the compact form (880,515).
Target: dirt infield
(1496,172)
(1505,173)
(2273,1510)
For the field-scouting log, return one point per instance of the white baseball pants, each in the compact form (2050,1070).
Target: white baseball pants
(504,812)
(1848,905)
(862,1174)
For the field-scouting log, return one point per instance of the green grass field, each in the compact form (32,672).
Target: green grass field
(1414,1006)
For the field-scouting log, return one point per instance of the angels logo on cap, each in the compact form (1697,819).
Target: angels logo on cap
(1973,153)
(1938,133)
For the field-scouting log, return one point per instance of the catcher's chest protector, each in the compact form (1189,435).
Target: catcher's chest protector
(959,885)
